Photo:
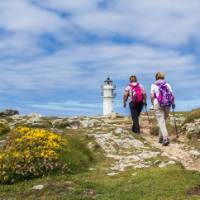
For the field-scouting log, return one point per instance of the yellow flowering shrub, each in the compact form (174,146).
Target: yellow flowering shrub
(29,153)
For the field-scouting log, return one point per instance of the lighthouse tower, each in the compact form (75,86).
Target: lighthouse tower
(108,94)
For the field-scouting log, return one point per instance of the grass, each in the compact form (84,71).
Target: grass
(191,116)
(77,156)
(170,183)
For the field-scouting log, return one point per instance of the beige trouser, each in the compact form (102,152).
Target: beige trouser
(162,115)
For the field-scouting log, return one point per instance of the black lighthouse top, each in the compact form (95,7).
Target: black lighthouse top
(108,81)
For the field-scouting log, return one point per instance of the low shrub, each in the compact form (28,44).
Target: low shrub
(33,152)
(190,117)
(4,128)
(30,153)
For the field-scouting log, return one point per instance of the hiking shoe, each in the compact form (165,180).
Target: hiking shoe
(160,140)
(165,142)
(135,131)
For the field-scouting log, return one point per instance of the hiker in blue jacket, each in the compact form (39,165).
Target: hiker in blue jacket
(137,99)
(162,99)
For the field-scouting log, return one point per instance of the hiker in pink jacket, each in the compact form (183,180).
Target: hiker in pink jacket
(162,99)
(137,99)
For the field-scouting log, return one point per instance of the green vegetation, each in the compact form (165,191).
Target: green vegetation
(4,128)
(31,152)
(85,177)
(172,183)
(77,156)
(191,116)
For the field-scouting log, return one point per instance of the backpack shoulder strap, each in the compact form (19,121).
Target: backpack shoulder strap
(131,86)
(134,86)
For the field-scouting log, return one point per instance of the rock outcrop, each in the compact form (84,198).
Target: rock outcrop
(192,129)
(113,135)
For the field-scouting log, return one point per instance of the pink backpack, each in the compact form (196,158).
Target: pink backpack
(136,93)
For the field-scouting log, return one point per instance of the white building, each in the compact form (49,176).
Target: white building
(108,93)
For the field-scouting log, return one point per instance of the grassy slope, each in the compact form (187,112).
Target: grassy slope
(150,184)
(171,183)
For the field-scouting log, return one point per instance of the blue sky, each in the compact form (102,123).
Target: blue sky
(55,54)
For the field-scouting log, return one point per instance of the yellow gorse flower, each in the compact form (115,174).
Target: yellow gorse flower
(30,151)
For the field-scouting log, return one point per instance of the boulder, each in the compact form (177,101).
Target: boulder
(74,124)
(60,123)
(88,123)
(195,153)
(119,130)
(38,187)
(192,129)
(112,173)
(36,120)
(165,164)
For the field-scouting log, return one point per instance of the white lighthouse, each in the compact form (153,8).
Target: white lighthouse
(108,93)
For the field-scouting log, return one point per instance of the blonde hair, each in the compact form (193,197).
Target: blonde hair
(160,75)
(133,78)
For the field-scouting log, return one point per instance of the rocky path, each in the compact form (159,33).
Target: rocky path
(190,158)
(126,150)
(178,150)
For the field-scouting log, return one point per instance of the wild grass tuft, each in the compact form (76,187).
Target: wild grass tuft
(191,116)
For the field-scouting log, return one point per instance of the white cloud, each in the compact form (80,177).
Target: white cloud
(159,31)
(23,16)
(72,6)
(72,69)
(168,23)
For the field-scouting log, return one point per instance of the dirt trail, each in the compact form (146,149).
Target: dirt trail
(177,150)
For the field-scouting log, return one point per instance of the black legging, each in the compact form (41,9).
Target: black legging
(136,109)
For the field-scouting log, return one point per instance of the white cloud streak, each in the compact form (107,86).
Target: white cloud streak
(159,32)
